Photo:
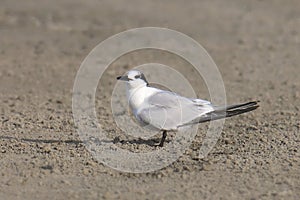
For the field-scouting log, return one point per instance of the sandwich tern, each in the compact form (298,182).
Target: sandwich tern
(168,111)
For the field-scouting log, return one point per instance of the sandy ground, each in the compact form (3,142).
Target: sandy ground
(256,46)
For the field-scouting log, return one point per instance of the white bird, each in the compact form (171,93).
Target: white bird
(168,111)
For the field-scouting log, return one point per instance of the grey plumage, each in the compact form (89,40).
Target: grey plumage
(167,111)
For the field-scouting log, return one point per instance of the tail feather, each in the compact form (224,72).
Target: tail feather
(225,108)
(226,111)
(229,111)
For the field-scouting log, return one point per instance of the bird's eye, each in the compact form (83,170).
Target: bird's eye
(137,76)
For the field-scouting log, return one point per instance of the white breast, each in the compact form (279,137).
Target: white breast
(138,97)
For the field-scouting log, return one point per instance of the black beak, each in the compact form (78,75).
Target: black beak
(123,78)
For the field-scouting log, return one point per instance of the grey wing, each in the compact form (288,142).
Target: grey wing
(167,111)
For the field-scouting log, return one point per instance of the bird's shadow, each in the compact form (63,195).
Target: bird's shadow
(49,141)
(139,141)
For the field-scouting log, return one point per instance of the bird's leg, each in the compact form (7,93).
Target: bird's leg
(161,144)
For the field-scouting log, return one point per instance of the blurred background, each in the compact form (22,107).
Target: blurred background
(255,44)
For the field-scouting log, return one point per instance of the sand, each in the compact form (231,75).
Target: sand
(256,46)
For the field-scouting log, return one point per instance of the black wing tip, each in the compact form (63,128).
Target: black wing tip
(233,111)
(255,102)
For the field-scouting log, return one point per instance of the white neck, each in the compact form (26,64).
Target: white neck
(138,95)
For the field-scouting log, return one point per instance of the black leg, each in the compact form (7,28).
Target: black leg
(161,144)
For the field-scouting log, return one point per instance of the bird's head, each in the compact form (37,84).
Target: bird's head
(134,79)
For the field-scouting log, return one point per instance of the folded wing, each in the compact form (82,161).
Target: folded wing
(168,111)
